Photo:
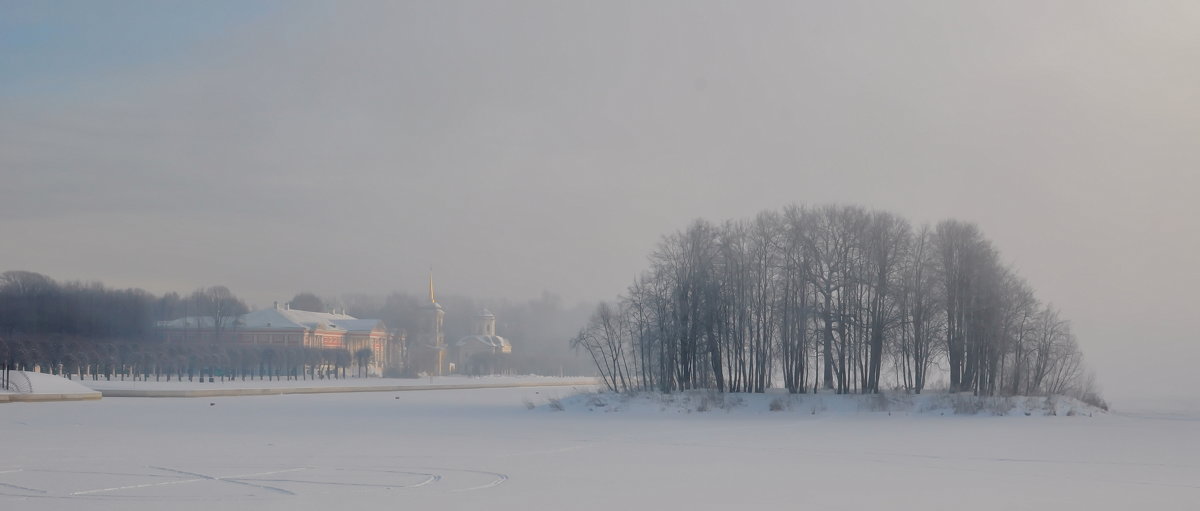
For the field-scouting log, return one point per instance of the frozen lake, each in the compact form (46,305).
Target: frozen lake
(483,449)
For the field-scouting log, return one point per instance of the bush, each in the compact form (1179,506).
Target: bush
(595,401)
(966,404)
(1000,405)
(1088,391)
(878,403)
(1094,399)
(711,399)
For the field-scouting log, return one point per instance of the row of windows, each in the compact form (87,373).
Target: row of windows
(274,338)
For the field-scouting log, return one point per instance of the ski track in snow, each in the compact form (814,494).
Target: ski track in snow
(35,490)
(430,477)
(500,479)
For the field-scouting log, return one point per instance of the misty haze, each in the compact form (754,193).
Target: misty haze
(594,255)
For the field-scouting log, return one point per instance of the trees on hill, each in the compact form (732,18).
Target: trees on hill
(834,297)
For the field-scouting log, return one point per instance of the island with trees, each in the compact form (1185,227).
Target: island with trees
(833,298)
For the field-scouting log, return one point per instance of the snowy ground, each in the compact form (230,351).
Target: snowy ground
(484,449)
(46,383)
(778,402)
(197,384)
(328,384)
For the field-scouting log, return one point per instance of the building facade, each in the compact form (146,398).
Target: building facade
(286,327)
(483,351)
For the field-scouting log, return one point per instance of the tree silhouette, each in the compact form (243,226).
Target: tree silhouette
(307,302)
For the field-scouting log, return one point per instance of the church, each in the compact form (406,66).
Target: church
(482,352)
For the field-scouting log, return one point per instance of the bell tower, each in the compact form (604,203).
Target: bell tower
(432,340)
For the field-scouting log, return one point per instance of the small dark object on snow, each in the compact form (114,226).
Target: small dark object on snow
(212,404)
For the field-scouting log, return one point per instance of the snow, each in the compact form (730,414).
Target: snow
(50,384)
(488,449)
(252,383)
(283,319)
(779,402)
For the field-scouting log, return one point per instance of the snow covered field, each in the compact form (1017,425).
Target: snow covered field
(102,384)
(484,449)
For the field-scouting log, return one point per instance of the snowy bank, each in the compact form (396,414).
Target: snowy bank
(888,403)
(46,387)
(251,387)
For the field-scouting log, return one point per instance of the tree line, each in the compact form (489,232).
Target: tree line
(83,329)
(832,297)
(81,358)
(36,306)
(86,327)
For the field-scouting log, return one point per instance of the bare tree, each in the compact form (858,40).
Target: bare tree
(220,306)
(363,358)
(606,340)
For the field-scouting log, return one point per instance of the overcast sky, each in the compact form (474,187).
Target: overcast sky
(521,147)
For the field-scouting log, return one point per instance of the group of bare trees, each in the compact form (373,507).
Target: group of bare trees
(87,328)
(74,357)
(34,305)
(834,297)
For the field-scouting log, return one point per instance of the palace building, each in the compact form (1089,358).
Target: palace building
(283,326)
(425,353)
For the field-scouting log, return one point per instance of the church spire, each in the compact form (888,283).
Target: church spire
(431,298)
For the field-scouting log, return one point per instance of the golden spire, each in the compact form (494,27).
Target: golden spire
(431,299)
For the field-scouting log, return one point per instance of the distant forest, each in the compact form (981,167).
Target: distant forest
(88,328)
(835,297)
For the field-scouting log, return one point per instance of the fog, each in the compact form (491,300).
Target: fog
(522,147)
